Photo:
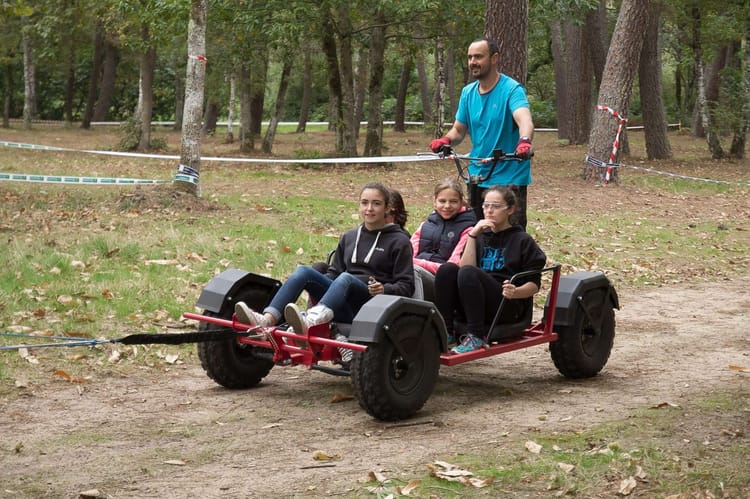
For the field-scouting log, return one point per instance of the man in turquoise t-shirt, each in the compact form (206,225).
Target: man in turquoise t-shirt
(495,112)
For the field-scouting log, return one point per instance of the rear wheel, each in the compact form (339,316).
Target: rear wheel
(229,363)
(390,387)
(583,348)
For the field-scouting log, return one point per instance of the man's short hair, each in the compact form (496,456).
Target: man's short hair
(491,44)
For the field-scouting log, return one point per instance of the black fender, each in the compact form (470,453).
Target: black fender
(219,293)
(571,292)
(373,320)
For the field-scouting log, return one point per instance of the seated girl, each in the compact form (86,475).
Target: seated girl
(442,237)
(373,258)
(495,251)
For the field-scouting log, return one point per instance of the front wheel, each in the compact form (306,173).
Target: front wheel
(583,348)
(388,385)
(228,362)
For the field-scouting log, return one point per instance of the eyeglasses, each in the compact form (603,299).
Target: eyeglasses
(493,206)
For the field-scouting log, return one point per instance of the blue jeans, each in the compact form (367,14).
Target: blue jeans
(345,295)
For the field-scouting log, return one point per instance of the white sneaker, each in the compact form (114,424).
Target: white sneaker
(247,315)
(302,321)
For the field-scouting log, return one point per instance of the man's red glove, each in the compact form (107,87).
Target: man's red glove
(438,144)
(523,149)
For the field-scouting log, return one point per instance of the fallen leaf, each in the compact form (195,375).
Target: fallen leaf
(376,476)
(740,369)
(665,404)
(65,299)
(409,487)
(533,447)
(161,262)
(25,355)
(320,455)
(285,249)
(68,377)
(567,468)
(341,397)
(479,483)
(627,486)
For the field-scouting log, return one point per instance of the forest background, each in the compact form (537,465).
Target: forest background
(348,63)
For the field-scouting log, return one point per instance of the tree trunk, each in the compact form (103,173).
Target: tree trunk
(424,91)
(211,117)
(403,87)
(70,83)
(29,81)
(349,139)
(573,81)
(596,34)
(336,118)
(147,65)
(179,99)
(450,81)
(230,108)
(258,79)
(374,139)
(740,137)
(106,89)
(511,37)
(195,78)
(7,98)
(439,98)
(649,77)
(361,89)
(714,146)
(247,139)
(712,86)
(95,76)
(286,70)
(304,106)
(617,86)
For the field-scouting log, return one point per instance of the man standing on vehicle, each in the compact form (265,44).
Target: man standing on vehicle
(494,110)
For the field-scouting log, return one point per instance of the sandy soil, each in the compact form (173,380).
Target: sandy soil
(173,432)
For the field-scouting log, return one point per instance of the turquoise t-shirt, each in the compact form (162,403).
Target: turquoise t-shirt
(489,119)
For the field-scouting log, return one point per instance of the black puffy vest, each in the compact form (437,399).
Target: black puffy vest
(438,238)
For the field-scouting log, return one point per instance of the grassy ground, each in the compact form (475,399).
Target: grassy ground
(110,261)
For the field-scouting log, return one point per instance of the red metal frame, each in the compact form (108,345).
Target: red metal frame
(317,345)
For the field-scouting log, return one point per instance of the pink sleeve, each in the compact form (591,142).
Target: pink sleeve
(415,239)
(427,265)
(456,255)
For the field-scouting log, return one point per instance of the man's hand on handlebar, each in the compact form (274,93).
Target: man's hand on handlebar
(524,149)
(438,145)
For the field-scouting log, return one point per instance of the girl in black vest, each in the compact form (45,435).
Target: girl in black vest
(442,237)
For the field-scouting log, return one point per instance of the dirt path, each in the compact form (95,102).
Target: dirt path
(174,433)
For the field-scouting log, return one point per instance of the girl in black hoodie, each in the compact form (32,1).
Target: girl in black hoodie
(494,252)
(373,258)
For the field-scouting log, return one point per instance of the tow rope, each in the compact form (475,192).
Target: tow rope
(132,339)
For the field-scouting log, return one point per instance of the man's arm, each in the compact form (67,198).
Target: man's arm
(457,133)
(522,117)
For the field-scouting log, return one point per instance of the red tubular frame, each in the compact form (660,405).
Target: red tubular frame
(307,349)
(317,344)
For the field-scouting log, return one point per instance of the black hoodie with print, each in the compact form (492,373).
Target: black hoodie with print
(385,254)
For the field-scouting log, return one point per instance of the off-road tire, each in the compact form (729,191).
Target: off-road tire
(229,363)
(386,386)
(580,351)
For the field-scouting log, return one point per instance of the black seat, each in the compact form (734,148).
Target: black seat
(502,330)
